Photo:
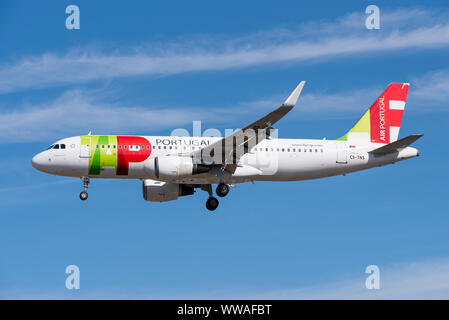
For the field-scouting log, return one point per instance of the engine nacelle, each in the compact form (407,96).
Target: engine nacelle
(164,191)
(172,167)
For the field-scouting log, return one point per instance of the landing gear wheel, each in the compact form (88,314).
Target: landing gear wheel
(212,203)
(83,195)
(222,190)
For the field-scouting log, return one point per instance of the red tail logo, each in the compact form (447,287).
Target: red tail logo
(386,113)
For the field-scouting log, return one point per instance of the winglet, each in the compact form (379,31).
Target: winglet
(291,100)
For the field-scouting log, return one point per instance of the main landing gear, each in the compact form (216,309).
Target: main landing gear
(212,203)
(222,190)
(83,194)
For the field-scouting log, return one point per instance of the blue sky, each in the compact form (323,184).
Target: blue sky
(148,68)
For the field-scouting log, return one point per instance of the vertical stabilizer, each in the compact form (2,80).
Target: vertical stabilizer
(381,123)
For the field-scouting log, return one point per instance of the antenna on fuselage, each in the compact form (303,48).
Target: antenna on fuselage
(90,132)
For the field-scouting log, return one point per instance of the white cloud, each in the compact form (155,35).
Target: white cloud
(77,112)
(432,89)
(401,29)
(416,280)
(427,93)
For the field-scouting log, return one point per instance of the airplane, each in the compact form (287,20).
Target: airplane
(174,166)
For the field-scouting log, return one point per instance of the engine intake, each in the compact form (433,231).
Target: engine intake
(164,191)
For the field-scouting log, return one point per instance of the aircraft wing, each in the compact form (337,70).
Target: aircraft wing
(232,147)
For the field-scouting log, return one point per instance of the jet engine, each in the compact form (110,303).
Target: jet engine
(172,167)
(164,191)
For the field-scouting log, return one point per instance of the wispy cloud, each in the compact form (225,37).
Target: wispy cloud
(311,41)
(432,89)
(428,93)
(77,111)
(416,280)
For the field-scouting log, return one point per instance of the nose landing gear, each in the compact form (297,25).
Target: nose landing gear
(83,194)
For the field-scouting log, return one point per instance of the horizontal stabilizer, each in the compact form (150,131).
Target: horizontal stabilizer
(397,145)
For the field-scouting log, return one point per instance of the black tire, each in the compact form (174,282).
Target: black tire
(212,203)
(83,195)
(222,190)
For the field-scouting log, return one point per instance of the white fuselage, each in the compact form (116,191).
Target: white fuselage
(270,160)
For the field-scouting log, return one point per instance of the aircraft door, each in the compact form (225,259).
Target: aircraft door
(342,152)
(85,147)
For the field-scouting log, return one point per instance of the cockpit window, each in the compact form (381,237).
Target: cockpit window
(57,146)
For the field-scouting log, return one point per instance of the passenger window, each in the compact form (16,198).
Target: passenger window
(148,147)
(120,146)
(316,150)
(288,150)
(113,146)
(282,149)
(102,146)
(126,147)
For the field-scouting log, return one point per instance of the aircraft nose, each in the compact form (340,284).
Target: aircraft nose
(38,161)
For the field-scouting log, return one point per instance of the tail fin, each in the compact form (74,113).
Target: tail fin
(381,123)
